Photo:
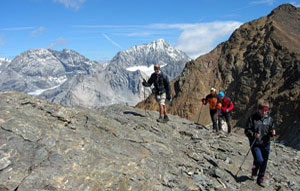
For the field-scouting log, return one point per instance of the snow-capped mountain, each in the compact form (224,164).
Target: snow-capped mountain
(38,70)
(143,58)
(70,79)
(120,81)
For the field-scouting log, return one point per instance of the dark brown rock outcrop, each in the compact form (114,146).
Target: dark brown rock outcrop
(261,59)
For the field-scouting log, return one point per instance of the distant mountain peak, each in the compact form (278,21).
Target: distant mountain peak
(159,44)
(158,51)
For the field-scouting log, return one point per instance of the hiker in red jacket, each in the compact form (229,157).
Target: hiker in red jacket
(226,108)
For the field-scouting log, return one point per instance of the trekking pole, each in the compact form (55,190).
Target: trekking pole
(217,118)
(145,98)
(245,157)
(275,146)
(199,113)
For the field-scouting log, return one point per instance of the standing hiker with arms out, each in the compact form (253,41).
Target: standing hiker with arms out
(214,102)
(260,127)
(226,108)
(162,91)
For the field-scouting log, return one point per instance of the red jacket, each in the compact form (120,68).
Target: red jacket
(226,104)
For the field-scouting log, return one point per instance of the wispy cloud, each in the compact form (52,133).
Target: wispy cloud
(73,4)
(37,31)
(195,39)
(269,2)
(59,41)
(17,29)
(295,4)
(110,40)
(108,26)
(201,38)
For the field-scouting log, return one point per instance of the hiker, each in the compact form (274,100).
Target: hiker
(214,102)
(260,127)
(226,108)
(162,91)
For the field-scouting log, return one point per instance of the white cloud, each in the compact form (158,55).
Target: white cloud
(37,31)
(269,2)
(110,40)
(74,4)
(199,39)
(17,29)
(59,41)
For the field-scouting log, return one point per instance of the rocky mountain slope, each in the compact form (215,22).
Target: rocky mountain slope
(44,146)
(261,59)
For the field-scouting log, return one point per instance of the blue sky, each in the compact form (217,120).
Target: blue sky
(98,29)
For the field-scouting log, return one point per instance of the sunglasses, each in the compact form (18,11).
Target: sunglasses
(264,108)
(156,68)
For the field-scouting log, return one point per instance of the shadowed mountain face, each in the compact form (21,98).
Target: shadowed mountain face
(44,146)
(261,59)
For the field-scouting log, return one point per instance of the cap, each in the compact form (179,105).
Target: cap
(156,67)
(213,89)
(221,94)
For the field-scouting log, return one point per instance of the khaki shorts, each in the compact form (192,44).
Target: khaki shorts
(161,99)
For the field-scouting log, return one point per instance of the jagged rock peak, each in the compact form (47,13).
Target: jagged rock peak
(284,9)
(158,51)
(159,44)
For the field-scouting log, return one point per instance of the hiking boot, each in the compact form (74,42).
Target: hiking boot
(160,119)
(166,118)
(261,181)
(261,184)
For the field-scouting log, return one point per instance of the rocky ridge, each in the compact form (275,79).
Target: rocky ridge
(45,146)
(261,60)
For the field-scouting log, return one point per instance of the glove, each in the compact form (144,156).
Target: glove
(144,83)
(204,101)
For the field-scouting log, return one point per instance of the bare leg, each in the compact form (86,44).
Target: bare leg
(161,110)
